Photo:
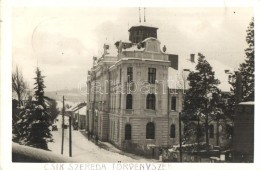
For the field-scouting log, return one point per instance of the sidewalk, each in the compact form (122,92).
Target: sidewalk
(108,146)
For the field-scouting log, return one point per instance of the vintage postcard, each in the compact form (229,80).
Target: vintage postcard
(129,87)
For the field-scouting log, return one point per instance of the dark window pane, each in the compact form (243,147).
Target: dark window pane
(129,74)
(129,101)
(172,133)
(150,101)
(151,75)
(128,132)
(173,104)
(150,130)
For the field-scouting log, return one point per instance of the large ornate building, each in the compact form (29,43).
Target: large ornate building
(136,92)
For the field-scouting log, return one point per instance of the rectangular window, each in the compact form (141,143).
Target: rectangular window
(173,104)
(129,101)
(150,101)
(151,75)
(128,132)
(129,74)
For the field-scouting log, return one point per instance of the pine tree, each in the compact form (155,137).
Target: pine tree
(247,69)
(39,88)
(35,118)
(40,133)
(243,80)
(15,119)
(24,123)
(201,99)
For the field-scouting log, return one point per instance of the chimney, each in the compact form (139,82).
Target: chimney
(227,71)
(174,61)
(192,58)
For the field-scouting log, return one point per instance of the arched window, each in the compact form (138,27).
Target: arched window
(129,101)
(172,132)
(150,101)
(128,132)
(211,131)
(150,130)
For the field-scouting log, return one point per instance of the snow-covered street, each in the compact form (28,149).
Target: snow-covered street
(84,150)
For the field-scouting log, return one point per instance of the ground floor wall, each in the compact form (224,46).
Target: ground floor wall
(82,121)
(97,124)
(138,134)
(112,127)
(102,125)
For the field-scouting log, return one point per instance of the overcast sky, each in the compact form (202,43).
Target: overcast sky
(63,40)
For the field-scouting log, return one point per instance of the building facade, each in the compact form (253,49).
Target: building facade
(128,94)
(136,91)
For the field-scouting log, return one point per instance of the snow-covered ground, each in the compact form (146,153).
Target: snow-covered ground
(84,150)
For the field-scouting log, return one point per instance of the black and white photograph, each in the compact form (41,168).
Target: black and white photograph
(141,87)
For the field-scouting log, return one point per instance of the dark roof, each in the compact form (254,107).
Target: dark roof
(142,26)
(79,106)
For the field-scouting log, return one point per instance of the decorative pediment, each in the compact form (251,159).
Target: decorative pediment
(152,45)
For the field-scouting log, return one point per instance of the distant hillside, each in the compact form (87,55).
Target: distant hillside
(72,95)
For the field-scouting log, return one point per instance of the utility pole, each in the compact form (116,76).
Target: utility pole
(218,132)
(70,138)
(62,126)
(168,117)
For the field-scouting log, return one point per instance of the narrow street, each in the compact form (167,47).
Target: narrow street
(84,150)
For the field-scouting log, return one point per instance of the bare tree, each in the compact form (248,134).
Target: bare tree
(19,85)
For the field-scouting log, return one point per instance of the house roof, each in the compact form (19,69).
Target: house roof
(112,51)
(82,111)
(79,106)
(142,25)
(185,65)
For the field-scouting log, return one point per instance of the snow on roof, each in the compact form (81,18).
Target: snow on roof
(60,104)
(247,103)
(82,111)
(177,79)
(112,51)
(220,74)
(123,41)
(141,59)
(150,38)
(133,48)
(23,153)
(185,65)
